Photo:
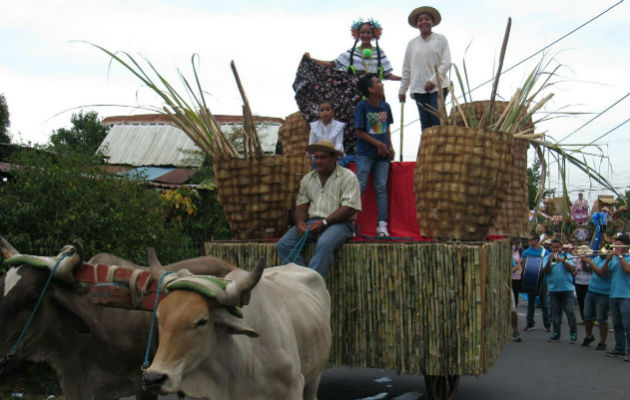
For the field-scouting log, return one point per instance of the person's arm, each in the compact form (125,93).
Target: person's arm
(605,269)
(320,62)
(567,265)
(392,77)
(380,146)
(624,264)
(390,148)
(300,214)
(443,67)
(405,75)
(547,268)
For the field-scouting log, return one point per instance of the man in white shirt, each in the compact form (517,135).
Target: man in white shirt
(424,53)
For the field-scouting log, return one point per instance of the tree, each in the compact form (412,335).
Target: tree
(86,133)
(55,198)
(4,120)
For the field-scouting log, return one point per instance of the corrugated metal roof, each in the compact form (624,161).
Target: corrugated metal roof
(150,145)
(163,119)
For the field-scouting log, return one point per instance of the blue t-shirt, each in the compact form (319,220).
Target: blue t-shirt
(374,121)
(620,281)
(598,284)
(558,279)
(530,251)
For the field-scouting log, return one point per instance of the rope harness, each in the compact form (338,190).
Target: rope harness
(146,363)
(293,254)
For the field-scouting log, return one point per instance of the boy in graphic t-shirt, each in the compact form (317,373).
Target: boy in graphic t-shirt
(372,120)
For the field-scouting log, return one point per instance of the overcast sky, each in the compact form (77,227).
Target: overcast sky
(43,71)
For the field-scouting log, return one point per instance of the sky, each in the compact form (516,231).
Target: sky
(47,72)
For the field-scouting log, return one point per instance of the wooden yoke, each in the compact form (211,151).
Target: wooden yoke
(110,286)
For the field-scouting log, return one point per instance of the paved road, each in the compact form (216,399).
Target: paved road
(530,370)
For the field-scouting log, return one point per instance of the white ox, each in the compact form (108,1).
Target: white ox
(277,350)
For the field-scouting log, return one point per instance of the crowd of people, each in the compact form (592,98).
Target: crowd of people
(598,282)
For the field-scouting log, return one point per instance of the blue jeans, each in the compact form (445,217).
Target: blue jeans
(596,306)
(381,170)
(531,305)
(620,309)
(428,119)
(563,301)
(333,236)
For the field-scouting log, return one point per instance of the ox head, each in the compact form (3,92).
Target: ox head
(199,314)
(20,288)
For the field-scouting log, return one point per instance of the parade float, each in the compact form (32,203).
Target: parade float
(436,305)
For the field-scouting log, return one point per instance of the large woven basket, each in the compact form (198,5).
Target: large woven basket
(460,180)
(293,135)
(512,219)
(258,194)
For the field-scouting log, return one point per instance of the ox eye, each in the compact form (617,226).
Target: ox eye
(201,322)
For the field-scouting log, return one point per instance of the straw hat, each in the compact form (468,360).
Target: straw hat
(435,14)
(323,145)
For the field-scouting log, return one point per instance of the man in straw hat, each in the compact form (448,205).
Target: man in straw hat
(424,53)
(327,201)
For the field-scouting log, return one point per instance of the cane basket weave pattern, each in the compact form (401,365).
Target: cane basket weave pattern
(512,219)
(460,180)
(294,134)
(258,194)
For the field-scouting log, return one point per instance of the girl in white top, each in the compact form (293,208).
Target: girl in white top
(326,127)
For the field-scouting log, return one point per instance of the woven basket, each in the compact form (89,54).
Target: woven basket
(294,134)
(258,194)
(460,180)
(512,219)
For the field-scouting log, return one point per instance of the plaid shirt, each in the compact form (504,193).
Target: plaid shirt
(341,189)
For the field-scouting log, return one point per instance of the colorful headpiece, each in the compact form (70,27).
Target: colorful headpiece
(376,27)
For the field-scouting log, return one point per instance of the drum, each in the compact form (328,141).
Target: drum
(532,274)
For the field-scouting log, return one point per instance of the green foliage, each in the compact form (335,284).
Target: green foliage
(4,120)
(86,133)
(53,199)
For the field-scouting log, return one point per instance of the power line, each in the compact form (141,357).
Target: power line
(594,118)
(609,132)
(533,55)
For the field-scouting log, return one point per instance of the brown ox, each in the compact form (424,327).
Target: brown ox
(277,350)
(95,351)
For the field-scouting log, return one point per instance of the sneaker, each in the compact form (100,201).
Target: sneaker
(600,346)
(554,337)
(529,327)
(381,229)
(573,339)
(516,337)
(615,353)
(587,340)
(548,328)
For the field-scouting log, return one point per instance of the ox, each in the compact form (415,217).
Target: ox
(95,351)
(277,349)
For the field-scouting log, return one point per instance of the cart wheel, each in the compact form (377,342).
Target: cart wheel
(441,387)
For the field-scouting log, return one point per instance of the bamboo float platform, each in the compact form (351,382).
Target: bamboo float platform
(418,308)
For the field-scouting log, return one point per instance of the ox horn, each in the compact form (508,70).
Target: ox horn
(154,264)
(238,291)
(73,257)
(8,251)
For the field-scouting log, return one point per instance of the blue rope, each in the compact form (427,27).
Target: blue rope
(146,363)
(293,254)
(39,301)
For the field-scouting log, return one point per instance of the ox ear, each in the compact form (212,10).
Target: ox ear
(234,325)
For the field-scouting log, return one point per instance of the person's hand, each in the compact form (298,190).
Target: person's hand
(382,150)
(316,226)
(515,269)
(610,255)
(402,98)
(301,228)
(429,86)
(392,152)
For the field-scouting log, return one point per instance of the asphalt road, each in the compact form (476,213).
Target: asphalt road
(531,370)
